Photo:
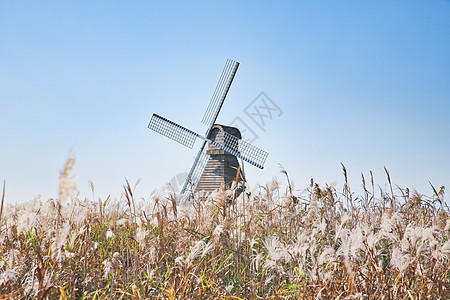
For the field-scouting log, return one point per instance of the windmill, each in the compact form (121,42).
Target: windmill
(220,143)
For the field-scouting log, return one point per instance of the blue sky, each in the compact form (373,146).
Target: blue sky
(365,84)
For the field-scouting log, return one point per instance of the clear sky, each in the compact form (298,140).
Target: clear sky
(363,83)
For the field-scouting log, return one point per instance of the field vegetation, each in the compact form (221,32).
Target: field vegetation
(319,243)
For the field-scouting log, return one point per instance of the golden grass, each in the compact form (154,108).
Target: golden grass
(320,243)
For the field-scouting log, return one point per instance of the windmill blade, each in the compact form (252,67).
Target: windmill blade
(173,131)
(241,149)
(197,169)
(220,92)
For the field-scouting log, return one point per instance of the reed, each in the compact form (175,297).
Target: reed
(316,243)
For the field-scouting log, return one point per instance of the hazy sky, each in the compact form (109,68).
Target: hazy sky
(366,84)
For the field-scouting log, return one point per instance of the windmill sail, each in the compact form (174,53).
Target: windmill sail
(173,131)
(241,149)
(197,169)
(221,91)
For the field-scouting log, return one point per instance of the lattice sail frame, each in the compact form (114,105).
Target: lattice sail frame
(172,130)
(197,169)
(241,149)
(221,91)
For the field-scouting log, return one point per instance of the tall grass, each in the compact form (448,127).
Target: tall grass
(320,243)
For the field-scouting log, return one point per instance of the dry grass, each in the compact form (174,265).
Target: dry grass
(320,243)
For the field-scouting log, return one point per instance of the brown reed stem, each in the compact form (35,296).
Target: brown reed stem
(3,200)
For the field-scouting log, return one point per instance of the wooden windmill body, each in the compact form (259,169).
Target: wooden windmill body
(222,167)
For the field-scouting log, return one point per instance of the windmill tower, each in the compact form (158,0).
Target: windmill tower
(216,163)
(222,167)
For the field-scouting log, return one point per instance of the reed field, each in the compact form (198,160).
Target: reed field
(322,242)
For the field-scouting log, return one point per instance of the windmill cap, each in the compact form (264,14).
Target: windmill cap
(228,129)
(215,130)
